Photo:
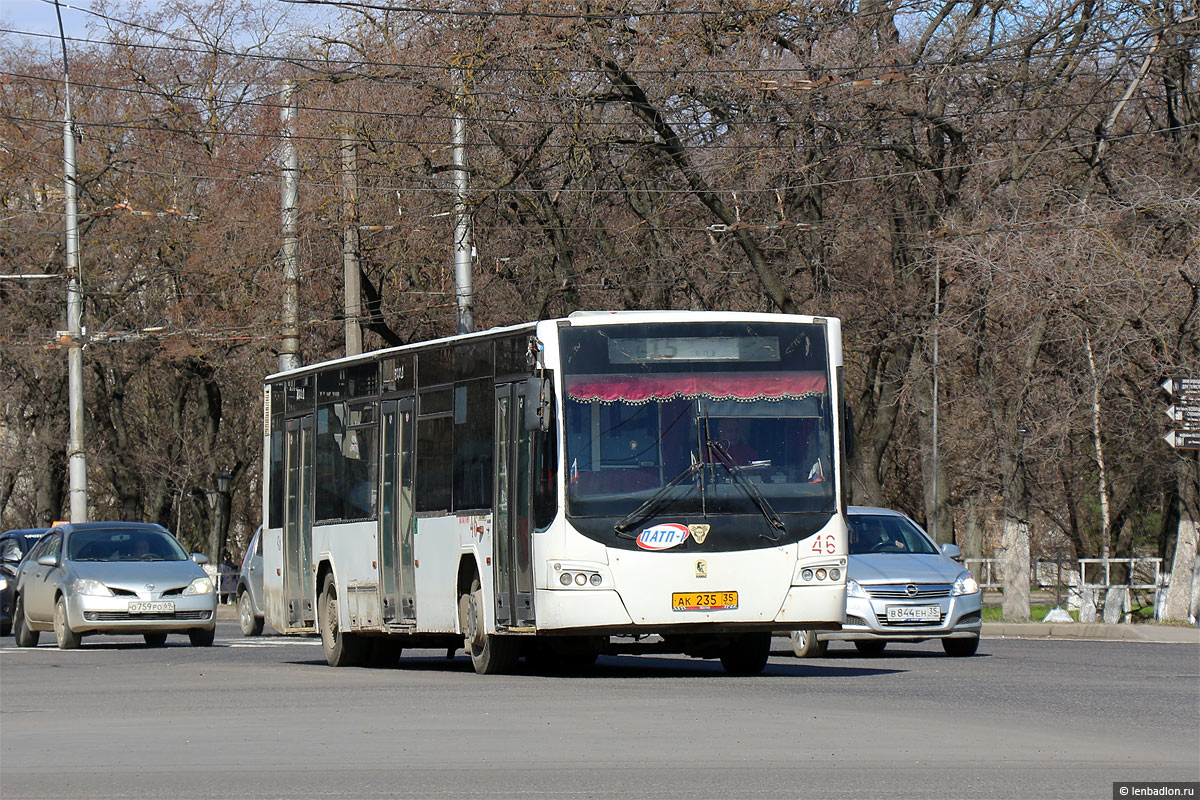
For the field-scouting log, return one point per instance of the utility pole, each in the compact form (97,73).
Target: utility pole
(462,215)
(289,345)
(76,457)
(352,302)
(935,518)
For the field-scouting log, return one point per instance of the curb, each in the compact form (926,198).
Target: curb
(1092,631)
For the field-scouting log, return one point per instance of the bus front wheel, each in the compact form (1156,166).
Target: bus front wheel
(746,654)
(341,649)
(490,654)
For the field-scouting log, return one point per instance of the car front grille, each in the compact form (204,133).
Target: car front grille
(969,619)
(853,620)
(929,623)
(124,616)
(900,591)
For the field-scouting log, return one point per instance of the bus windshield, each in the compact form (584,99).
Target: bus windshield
(700,418)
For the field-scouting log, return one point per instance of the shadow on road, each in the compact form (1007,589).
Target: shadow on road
(625,667)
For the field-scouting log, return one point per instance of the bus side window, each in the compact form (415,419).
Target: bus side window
(545,471)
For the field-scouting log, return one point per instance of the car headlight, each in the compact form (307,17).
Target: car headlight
(90,586)
(199,586)
(854,590)
(966,584)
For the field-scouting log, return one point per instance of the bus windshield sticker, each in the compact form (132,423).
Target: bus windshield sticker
(663,537)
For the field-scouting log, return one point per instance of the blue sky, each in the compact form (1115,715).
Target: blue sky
(38,17)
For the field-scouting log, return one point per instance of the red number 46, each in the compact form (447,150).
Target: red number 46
(824,544)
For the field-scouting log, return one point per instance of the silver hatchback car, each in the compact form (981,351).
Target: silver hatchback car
(250,587)
(900,587)
(113,577)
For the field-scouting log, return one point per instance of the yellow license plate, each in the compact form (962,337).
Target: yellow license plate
(704,601)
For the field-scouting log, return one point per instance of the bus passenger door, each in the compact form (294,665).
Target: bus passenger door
(298,592)
(397,597)
(511,519)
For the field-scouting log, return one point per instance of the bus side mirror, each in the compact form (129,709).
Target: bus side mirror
(848,429)
(537,403)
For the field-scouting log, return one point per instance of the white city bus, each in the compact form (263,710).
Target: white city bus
(612,482)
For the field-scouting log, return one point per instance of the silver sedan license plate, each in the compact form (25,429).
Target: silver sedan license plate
(914,613)
(152,607)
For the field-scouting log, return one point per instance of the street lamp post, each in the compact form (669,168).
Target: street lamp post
(224,478)
(219,502)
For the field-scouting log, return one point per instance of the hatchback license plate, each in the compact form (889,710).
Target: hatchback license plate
(152,607)
(704,601)
(914,613)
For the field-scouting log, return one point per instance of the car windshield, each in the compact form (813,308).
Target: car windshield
(124,545)
(884,533)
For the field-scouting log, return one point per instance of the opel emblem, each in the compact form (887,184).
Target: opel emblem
(149,587)
(911,590)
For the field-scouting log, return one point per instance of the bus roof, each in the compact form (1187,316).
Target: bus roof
(575,318)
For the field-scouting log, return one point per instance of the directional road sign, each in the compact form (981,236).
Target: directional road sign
(1184,412)
(1182,387)
(1184,440)
(1185,416)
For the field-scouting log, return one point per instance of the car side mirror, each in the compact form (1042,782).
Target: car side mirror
(48,560)
(952,551)
(200,558)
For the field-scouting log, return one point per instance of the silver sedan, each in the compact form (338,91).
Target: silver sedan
(900,587)
(113,577)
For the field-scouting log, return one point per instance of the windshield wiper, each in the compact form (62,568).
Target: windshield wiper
(749,488)
(645,509)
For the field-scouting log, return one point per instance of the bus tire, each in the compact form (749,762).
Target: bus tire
(24,636)
(490,654)
(250,624)
(746,654)
(341,649)
(805,644)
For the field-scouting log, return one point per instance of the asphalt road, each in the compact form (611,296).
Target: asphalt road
(265,718)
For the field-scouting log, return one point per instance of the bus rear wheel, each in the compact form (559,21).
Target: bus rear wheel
(341,649)
(490,654)
(746,654)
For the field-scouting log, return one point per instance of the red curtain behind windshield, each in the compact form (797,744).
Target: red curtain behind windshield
(717,386)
